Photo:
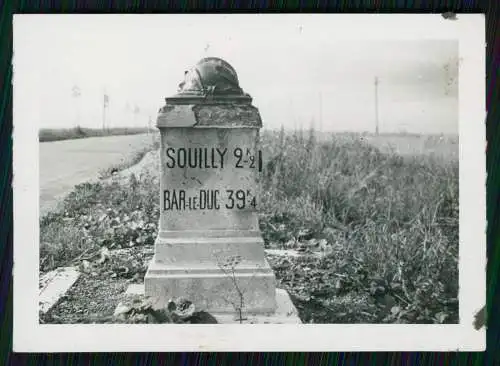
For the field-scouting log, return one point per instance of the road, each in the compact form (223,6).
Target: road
(64,164)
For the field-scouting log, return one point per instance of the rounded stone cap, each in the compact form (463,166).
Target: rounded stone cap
(211,78)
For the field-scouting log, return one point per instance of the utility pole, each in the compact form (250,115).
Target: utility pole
(76,93)
(150,130)
(376,106)
(104,106)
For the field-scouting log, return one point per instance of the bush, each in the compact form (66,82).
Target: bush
(101,214)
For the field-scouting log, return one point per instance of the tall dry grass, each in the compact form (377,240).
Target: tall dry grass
(397,215)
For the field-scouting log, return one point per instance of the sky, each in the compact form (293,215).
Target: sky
(299,70)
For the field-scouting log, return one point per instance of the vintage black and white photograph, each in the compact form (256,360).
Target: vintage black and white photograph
(243,170)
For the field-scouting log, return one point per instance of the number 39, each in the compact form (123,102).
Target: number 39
(238,199)
(238,196)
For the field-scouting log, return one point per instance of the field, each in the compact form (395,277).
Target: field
(57,134)
(373,229)
(407,145)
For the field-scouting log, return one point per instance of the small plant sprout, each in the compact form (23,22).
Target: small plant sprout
(228,267)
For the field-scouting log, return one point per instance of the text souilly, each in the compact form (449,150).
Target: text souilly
(201,158)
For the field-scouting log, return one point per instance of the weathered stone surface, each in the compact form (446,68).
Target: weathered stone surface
(209,249)
(201,170)
(228,115)
(204,250)
(176,116)
(54,284)
(212,290)
(202,164)
(284,313)
(208,99)
(211,75)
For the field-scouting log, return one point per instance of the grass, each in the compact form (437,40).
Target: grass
(57,134)
(393,219)
(389,223)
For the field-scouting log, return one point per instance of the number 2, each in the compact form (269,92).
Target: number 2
(238,153)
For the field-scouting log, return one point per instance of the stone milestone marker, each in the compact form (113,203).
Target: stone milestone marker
(209,248)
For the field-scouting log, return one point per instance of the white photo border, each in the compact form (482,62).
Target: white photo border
(30,336)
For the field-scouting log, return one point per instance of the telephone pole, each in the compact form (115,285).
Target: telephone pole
(76,93)
(104,105)
(150,130)
(376,106)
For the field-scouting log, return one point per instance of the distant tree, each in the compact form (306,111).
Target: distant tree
(76,92)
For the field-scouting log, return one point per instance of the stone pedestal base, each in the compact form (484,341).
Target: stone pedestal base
(212,290)
(194,265)
(285,312)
